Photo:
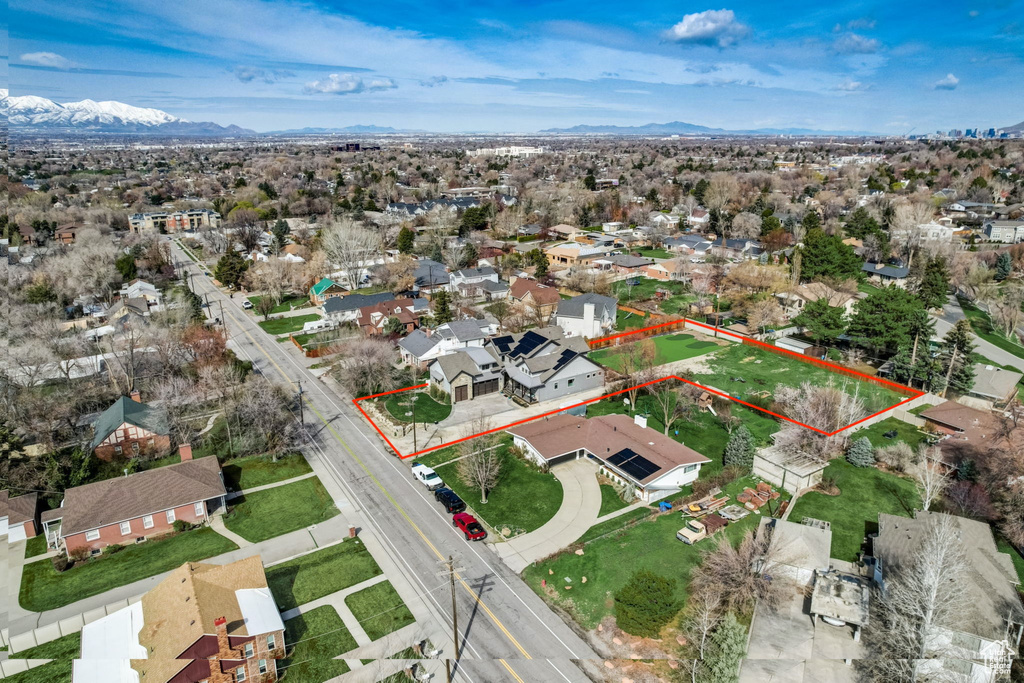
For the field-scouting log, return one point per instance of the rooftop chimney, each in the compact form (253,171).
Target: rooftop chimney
(640,420)
(185,451)
(136,396)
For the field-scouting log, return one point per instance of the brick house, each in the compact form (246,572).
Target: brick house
(131,509)
(130,427)
(203,623)
(374,319)
(530,295)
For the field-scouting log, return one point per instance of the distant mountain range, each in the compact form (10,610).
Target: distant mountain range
(31,113)
(683,128)
(1015,128)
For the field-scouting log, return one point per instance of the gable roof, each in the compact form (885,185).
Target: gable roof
(885,270)
(461,330)
(542,294)
(339,304)
(122,498)
(134,413)
(322,286)
(21,509)
(958,416)
(994,382)
(573,308)
(526,343)
(418,343)
(468,360)
(430,273)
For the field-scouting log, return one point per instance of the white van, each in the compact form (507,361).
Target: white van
(318,326)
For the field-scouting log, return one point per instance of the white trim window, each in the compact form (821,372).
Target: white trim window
(92,535)
(200,509)
(263,666)
(126,528)
(271,642)
(170,516)
(240,674)
(147,522)
(249,651)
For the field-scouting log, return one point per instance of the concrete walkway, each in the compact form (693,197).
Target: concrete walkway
(217,524)
(581,501)
(618,513)
(274,485)
(337,601)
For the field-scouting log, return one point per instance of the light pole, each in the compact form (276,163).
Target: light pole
(412,413)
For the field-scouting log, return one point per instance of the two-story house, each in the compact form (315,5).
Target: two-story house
(587,315)
(420,347)
(130,427)
(540,365)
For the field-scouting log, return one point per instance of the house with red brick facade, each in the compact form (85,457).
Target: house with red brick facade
(134,508)
(204,622)
(129,428)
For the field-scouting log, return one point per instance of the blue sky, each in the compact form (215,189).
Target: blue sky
(522,66)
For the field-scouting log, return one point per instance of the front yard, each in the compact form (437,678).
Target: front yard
(610,500)
(379,610)
(427,409)
(608,562)
(258,470)
(314,639)
(669,348)
(278,510)
(864,492)
(320,573)
(983,327)
(286,304)
(35,546)
(44,588)
(287,325)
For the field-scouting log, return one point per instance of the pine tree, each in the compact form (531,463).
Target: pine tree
(825,256)
(442,307)
(861,453)
(645,604)
(406,240)
(955,358)
(230,268)
(739,452)
(728,645)
(934,286)
(1004,266)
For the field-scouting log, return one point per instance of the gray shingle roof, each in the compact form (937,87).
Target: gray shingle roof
(352,302)
(887,271)
(418,343)
(573,308)
(462,330)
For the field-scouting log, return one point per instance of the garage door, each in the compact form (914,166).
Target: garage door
(461,393)
(15,533)
(488,387)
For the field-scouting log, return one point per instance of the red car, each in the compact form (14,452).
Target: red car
(473,529)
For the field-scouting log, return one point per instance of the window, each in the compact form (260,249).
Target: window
(126,528)
(170,516)
(240,673)
(117,449)
(271,642)
(263,666)
(571,382)
(200,509)
(147,522)
(92,535)
(689,468)
(248,651)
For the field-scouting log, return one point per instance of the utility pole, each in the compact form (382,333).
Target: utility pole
(302,407)
(449,567)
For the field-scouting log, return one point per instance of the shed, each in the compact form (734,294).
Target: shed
(788,470)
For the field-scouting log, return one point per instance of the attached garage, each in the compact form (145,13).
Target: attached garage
(461,393)
(486,387)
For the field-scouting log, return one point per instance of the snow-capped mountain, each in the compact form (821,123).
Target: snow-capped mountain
(29,112)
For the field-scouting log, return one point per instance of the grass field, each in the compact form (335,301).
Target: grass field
(55,672)
(610,561)
(320,573)
(314,639)
(43,588)
(66,647)
(652,253)
(286,304)
(905,432)
(525,498)
(982,325)
(624,320)
(258,470)
(610,500)
(379,610)
(1015,555)
(276,511)
(669,348)
(427,409)
(294,323)
(35,546)
(864,492)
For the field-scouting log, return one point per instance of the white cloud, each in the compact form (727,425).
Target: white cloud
(855,44)
(51,59)
(948,83)
(248,74)
(850,85)
(712,27)
(348,84)
(434,81)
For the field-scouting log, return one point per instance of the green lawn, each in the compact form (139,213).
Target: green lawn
(614,524)
(314,640)
(286,304)
(525,498)
(905,432)
(669,348)
(257,470)
(625,320)
(644,289)
(868,288)
(285,325)
(35,546)
(66,647)
(864,492)
(43,588)
(379,610)
(58,671)
(983,327)
(278,510)
(427,409)
(320,573)
(608,563)
(610,500)
(1018,560)
(653,253)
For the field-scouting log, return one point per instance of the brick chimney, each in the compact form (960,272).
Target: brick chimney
(223,644)
(136,396)
(185,451)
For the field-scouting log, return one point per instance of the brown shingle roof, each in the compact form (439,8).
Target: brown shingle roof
(542,294)
(960,417)
(23,508)
(122,498)
(604,436)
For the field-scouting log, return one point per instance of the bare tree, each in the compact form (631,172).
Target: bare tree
(671,401)
(482,458)
(745,226)
(703,614)
(351,247)
(828,408)
(1007,311)
(738,572)
(929,476)
(635,364)
(368,366)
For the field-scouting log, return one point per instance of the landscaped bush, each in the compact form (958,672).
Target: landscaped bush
(739,452)
(61,563)
(78,555)
(645,604)
(113,548)
(439,395)
(860,453)
(898,456)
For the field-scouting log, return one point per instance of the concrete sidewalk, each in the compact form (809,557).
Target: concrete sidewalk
(285,482)
(337,601)
(581,501)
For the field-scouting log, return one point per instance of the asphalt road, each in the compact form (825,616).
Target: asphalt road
(506,631)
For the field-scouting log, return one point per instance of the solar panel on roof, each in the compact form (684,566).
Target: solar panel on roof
(639,468)
(621,456)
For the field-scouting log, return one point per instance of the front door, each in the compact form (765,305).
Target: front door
(461,393)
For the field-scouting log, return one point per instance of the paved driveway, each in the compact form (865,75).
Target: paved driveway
(581,501)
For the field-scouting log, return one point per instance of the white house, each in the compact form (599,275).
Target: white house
(587,315)
(1007,232)
(419,347)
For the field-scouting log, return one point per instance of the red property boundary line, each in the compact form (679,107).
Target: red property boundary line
(913,393)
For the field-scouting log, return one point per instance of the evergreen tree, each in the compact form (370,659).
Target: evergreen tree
(728,645)
(933,288)
(406,240)
(1004,266)
(770,223)
(125,265)
(739,452)
(861,224)
(645,604)
(281,230)
(538,259)
(955,358)
(861,453)
(442,301)
(825,256)
(469,255)
(590,182)
(824,323)
(811,221)
(890,319)
(230,268)
(967,470)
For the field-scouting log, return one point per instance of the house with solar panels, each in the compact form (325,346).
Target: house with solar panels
(624,449)
(543,364)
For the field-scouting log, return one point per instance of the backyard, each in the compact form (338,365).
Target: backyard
(427,409)
(379,610)
(864,492)
(320,573)
(44,588)
(275,511)
(609,561)
(58,671)
(315,638)
(286,325)
(669,348)
(904,432)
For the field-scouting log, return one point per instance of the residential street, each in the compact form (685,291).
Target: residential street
(507,631)
(952,312)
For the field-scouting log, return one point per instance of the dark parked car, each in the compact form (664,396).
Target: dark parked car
(467,523)
(450,500)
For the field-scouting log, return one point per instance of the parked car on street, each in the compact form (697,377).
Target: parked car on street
(450,500)
(473,530)
(426,476)
(247,304)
